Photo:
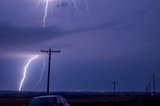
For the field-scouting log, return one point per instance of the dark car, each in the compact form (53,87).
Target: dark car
(49,100)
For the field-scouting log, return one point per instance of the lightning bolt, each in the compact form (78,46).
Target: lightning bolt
(75,5)
(25,70)
(45,13)
(44,65)
(87,7)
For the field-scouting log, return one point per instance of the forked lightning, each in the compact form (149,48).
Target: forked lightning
(25,71)
(74,2)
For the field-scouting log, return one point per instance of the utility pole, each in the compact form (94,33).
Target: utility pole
(149,87)
(114,86)
(154,83)
(114,90)
(49,65)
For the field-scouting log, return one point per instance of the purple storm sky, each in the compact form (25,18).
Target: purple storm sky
(120,42)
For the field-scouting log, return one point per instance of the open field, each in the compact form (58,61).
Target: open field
(85,99)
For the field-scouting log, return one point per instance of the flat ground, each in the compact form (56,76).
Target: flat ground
(87,99)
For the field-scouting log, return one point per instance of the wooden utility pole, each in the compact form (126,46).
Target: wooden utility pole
(49,65)
(149,87)
(114,86)
(114,90)
(154,83)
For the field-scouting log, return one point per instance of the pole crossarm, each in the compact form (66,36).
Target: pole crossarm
(50,51)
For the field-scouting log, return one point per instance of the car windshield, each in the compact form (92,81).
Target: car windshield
(47,102)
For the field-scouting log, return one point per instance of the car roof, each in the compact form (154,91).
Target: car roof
(49,96)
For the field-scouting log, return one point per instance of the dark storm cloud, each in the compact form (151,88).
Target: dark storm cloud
(10,34)
(154,6)
(63,4)
(21,35)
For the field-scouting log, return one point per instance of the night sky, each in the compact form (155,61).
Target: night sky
(119,42)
